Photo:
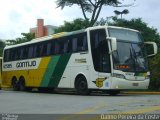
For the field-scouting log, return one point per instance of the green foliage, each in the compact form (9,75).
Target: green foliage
(2,45)
(93,7)
(76,24)
(155,72)
(26,37)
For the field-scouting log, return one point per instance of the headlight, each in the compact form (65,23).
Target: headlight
(118,76)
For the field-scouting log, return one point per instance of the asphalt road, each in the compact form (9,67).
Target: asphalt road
(12,102)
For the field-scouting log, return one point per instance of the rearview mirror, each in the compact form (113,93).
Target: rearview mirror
(151,48)
(113,42)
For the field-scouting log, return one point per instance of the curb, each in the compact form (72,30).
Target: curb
(143,93)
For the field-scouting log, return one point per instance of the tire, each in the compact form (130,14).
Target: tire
(113,92)
(81,86)
(22,86)
(15,84)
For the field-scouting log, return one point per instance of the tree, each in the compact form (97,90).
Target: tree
(93,7)
(76,24)
(2,45)
(26,37)
(125,11)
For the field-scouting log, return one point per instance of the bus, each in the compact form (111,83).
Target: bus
(101,58)
(0,71)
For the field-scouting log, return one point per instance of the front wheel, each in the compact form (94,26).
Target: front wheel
(15,85)
(81,86)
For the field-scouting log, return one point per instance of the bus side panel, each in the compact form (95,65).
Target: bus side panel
(36,75)
(78,64)
(56,68)
(6,79)
(50,68)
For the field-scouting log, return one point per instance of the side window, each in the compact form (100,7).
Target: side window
(44,49)
(21,53)
(65,48)
(52,50)
(31,51)
(56,47)
(49,45)
(64,45)
(12,55)
(97,36)
(17,53)
(38,50)
(25,52)
(82,42)
(74,44)
(61,44)
(79,42)
(6,55)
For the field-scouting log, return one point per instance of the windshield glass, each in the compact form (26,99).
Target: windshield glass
(130,55)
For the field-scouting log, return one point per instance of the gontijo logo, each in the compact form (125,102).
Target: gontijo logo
(26,64)
(22,65)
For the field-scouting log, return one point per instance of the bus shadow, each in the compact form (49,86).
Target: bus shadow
(72,92)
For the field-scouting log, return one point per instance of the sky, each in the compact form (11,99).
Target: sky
(18,16)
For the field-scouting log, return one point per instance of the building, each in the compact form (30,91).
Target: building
(42,30)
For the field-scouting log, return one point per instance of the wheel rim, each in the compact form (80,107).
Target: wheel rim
(82,85)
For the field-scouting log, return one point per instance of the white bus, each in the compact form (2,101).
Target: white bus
(104,58)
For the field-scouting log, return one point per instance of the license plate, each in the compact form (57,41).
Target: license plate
(135,84)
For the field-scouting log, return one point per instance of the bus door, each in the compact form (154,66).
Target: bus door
(100,57)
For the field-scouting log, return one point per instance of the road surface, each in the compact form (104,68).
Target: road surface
(12,102)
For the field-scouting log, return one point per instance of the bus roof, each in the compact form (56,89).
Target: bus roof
(62,34)
(123,28)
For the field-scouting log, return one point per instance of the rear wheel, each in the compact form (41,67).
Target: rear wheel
(15,84)
(22,86)
(81,86)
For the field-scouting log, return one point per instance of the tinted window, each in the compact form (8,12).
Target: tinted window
(74,44)
(100,52)
(68,44)
(17,53)
(57,47)
(6,55)
(25,52)
(49,45)
(44,49)
(65,45)
(38,50)
(30,52)
(79,42)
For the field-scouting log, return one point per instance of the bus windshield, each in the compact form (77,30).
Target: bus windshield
(130,55)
